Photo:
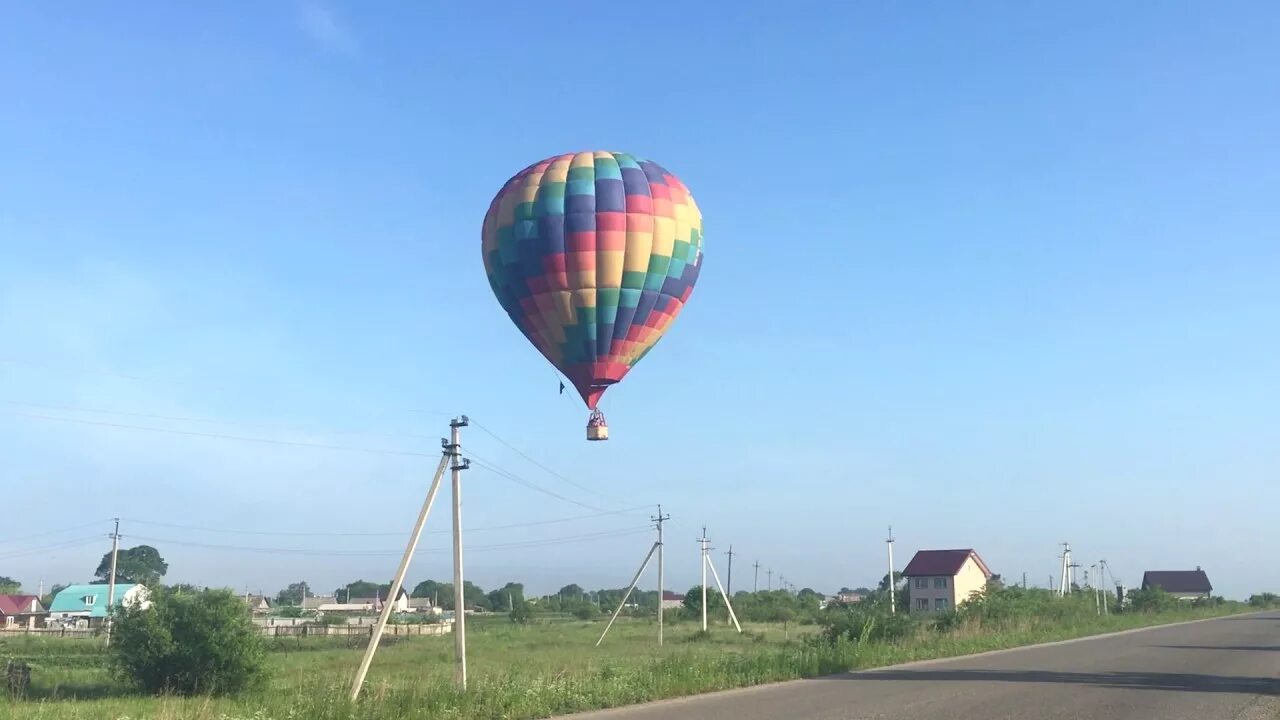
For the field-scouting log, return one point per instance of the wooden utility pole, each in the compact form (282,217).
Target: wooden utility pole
(755,584)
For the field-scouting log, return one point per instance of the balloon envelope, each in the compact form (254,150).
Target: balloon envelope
(593,255)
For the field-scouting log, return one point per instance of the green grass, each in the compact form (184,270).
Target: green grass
(515,672)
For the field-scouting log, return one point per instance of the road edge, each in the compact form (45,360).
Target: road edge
(685,699)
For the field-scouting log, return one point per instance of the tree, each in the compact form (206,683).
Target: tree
(9,586)
(293,594)
(431,589)
(571,591)
(362,589)
(47,600)
(472,594)
(506,597)
(141,564)
(522,613)
(693,600)
(187,644)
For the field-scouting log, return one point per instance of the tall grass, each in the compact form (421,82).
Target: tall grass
(531,671)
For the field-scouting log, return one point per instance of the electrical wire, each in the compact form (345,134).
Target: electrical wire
(289,533)
(54,532)
(544,468)
(329,552)
(49,548)
(508,475)
(241,438)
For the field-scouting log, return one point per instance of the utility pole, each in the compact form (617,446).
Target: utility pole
(708,565)
(459,597)
(1097,601)
(1102,581)
(111,583)
(398,581)
(1024,579)
(893,597)
(728,581)
(662,587)
(770,573)
(1064,585)
(702,543)
(755,584)
(656,547)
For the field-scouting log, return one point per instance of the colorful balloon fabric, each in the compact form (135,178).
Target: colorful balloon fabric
(593,254)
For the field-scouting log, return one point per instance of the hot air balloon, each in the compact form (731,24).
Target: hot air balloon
(593,255)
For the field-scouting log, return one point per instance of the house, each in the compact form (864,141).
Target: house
(423,605)
(671,600)
(939,580)
(357,604)
(21,611)
(847,598)
(86,605)
(258,604)
(1182,584)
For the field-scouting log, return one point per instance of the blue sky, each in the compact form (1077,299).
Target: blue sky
(1001,276)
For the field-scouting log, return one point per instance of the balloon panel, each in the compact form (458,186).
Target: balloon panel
(593,255)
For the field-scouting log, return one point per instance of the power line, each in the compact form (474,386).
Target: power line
(241,438)
(290,533)
(544,468)
(508,475)
(55,532)
(49,548)
(378,553)
(209,421)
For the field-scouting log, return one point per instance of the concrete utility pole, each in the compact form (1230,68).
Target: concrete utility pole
(398,581)
(755,584)
(459,596)
(728,581)
(702,543)
(662,586)
(655,547)
(716,576)
(1064,585)
(893,590)
(111,583)
(770,573)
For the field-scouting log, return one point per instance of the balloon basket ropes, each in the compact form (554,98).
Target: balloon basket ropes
(597,429)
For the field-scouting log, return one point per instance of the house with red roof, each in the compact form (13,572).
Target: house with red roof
(939,580)
(21,611)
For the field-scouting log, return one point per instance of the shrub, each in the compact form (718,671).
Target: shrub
(522,613)
(586,612)
(1264,600)
(187,644)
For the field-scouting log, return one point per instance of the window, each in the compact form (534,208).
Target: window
(922,603)
(89,599)
(939,583)
(922,583)
(939,603)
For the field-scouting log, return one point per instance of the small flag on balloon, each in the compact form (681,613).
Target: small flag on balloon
(561,387)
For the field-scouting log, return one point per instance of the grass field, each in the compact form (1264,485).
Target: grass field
(515,671)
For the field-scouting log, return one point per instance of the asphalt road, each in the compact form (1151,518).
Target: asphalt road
(1227,668)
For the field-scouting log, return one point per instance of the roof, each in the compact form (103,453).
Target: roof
(668,595)
(19,604)
(1178,581)
(71,598)
(942,562)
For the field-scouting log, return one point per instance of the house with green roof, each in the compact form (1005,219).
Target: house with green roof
(86,605)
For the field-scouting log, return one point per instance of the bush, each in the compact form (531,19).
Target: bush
(870,624)
(1264,600)
(586,612)
(522,613)
(187,644)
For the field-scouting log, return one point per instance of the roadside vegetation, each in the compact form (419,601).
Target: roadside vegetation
(529,664)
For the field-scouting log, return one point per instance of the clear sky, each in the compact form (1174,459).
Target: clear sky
(999,275)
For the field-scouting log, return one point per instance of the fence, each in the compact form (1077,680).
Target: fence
(266,630)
